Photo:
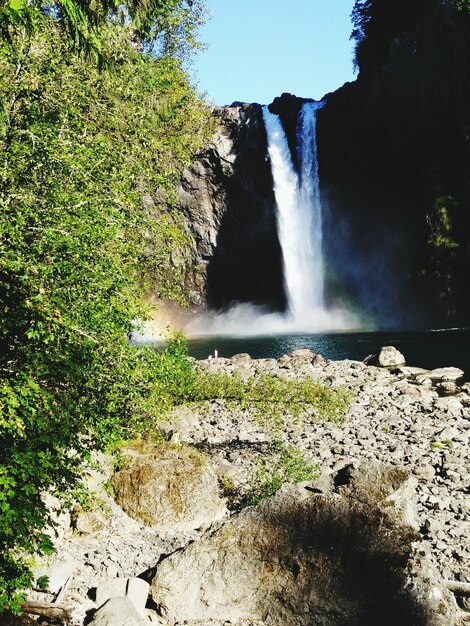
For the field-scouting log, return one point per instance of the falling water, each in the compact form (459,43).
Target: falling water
(310,204)
(298,212)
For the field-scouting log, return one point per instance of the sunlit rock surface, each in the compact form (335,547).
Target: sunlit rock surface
(340,557)
(168,488)
(400,419)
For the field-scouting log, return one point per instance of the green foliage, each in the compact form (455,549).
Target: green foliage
(273,397)
(79,147)
(440,223)
(360,18)
(168,27)
(174,381)
(461,5)
(376,23)
(441,445)
(285,464)
(170,379)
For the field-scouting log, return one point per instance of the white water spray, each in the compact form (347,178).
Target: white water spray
(298,212)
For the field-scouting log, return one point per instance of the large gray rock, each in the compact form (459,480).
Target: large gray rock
(117,612)
(169,488)
(58,572)
(299,559)
(388,356)
(135,590)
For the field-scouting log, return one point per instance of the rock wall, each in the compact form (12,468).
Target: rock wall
(394,157)
(227,196)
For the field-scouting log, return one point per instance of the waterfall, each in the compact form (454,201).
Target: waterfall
(299,224)
(299,217)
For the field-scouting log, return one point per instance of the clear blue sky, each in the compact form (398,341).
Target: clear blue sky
(258,49)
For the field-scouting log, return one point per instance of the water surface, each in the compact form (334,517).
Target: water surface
(428,349)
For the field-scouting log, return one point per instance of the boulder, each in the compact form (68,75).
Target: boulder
(135,590)
(117,612)
(445,374)
(88,522)
(58,572)
(300,558)
(170,488)
(388,356)
(303,354)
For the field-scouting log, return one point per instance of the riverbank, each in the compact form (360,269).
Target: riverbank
(423,348)
(405,418)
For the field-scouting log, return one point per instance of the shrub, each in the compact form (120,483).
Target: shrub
(272,398)
(284,464)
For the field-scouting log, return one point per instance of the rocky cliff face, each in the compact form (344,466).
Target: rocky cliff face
(394,157)
(227,196)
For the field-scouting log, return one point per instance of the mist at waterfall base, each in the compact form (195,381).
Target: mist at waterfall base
(245,320)
(300,231)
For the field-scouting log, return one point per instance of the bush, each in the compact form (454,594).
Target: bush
(285,464)
(271,398)
(77,248)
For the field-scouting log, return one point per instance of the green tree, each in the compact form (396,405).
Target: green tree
(79,146)
(167,25)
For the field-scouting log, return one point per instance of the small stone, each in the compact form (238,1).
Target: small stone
(304,354)
(112,570)
(88,522)
(449,404)
(137,591)
(110,588)
(443,374)
(424,472)
(423,380)
(447,388)
(431,526)
(241,357)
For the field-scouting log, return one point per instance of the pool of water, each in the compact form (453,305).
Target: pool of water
(428,349)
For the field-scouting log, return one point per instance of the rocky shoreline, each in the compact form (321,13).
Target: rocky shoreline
(401,417)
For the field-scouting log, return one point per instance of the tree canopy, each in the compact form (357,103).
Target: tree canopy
(377,22)
(168,26)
